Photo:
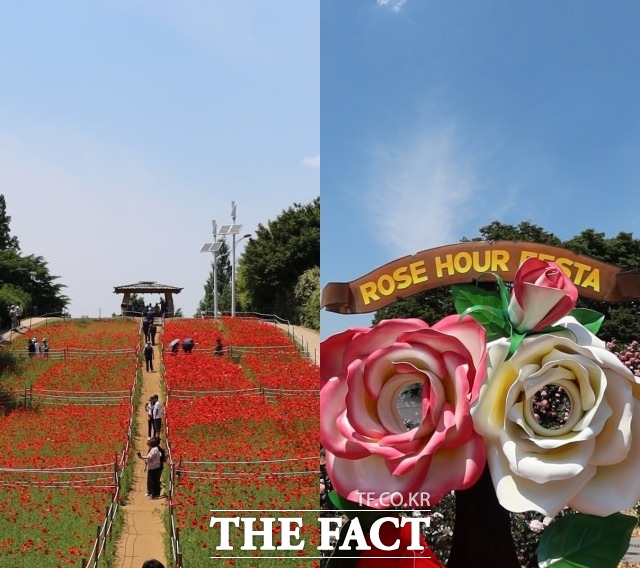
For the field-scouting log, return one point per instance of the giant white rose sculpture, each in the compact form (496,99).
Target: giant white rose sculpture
(585,456)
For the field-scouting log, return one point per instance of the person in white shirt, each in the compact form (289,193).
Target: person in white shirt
(148,408)
(154,470)
(157,416)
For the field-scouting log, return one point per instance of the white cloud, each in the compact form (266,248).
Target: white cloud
(394,5)
(311,161)
(420,195)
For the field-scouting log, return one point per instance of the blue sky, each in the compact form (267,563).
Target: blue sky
(440,117)
(126,126)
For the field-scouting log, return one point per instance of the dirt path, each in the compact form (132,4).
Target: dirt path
(143,535)
(24,332)
(310,338)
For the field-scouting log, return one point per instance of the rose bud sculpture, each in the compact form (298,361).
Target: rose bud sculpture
(542,294)
(373,448)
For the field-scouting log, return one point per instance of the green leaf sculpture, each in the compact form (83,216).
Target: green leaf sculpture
(485,306)
(585,541)
(590,319)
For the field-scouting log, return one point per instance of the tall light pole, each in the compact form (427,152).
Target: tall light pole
(215,269)
(233,259)
(232,229)
(32,275)
(213,249)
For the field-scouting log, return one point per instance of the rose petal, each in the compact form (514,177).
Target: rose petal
(382,335)
(519,494)
(564,462)
(614,440)
(383,363)
(361,408)
(540,304)
(332,397)
(615,487)
(332,352)
(458,467)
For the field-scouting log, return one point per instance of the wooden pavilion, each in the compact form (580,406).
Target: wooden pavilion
(147,287)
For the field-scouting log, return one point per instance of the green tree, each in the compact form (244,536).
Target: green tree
(136,304)
(307,293)
(25,280)
(621,319)
(274,260)
(7,242)
(223,280)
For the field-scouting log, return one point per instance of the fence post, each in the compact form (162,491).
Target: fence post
(95,562)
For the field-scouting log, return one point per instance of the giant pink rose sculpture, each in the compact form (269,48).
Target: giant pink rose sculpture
(376,458)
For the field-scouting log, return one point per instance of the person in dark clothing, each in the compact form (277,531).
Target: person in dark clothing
(152,333)
(148,407)
(148,356)
(219,350)
(163,455)
(31,348)
(153,563)
(145,329)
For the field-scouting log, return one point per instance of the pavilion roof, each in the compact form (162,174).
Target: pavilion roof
(146,287)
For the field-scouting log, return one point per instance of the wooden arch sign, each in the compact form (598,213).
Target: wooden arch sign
(464,263)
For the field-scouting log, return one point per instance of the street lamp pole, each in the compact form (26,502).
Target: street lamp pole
(233,262)
(215,271)
(32,275)
(213,249)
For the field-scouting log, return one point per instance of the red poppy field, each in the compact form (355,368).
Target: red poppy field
(244,451)
(242,435)
(58,452)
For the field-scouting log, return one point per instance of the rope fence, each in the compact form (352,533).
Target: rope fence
(174,531)
(192,469)
(182,394)
(269,393)
(77,353)
(97,476)
(103,532)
